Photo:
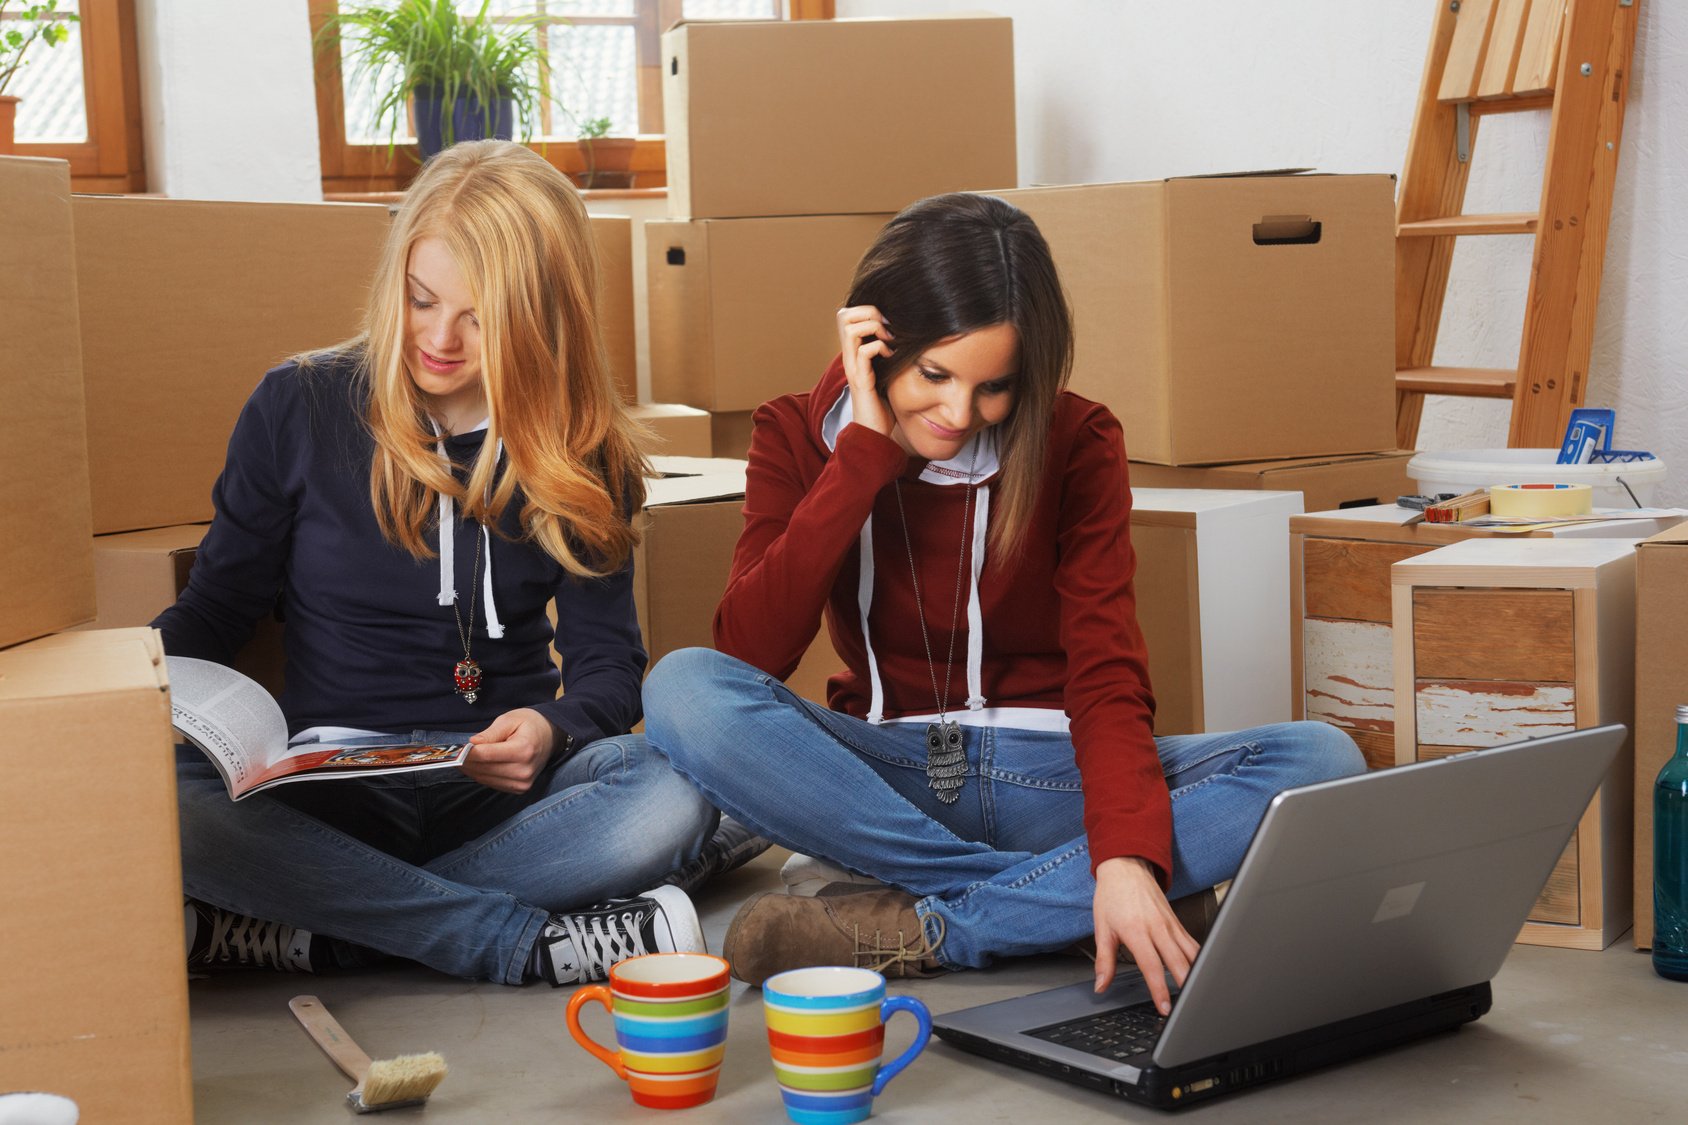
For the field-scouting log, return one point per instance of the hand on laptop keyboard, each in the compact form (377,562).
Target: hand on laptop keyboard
(1132,911)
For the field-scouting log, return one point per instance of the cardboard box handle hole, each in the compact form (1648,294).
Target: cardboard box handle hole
(1287,230)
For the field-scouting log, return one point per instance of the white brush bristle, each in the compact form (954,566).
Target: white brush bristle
(404,1079)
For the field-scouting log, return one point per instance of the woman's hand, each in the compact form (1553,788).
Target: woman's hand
(509,753)
(863,334)
(1132,911)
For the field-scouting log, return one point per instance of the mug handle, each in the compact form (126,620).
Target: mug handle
(922,1016)
(609,1058)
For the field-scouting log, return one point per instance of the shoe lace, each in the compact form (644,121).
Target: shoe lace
(603,939)
(251,941)
(881,956)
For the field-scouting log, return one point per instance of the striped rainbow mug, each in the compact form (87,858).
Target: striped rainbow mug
(670,1012)
(826,1032)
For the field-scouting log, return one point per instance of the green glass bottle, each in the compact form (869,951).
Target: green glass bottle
(1670,860)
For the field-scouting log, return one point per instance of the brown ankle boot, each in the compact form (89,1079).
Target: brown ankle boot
(874,929)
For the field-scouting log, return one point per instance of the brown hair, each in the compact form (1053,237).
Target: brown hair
(954,264)
(518,231)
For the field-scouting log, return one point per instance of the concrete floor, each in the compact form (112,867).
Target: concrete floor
(1572,1036)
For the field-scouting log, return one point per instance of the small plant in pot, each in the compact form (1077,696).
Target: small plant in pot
(608,159)
(463,77)
(19,31)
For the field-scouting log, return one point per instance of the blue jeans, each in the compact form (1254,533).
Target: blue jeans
(433,866)
(1006,867)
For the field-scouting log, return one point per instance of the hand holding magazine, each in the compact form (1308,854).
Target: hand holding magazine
(237,724)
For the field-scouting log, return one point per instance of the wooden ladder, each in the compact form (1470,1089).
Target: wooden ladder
(1571,57)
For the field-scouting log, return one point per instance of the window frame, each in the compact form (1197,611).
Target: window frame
(113,158)
(351,169)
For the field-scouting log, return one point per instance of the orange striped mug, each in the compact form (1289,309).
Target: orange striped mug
(670,1012)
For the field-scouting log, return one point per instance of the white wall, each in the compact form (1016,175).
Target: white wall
(228,99)
(1134,89)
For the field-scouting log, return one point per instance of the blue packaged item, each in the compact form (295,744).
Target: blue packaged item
(1588,434)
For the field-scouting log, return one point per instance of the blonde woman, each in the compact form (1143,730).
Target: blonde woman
(416,498)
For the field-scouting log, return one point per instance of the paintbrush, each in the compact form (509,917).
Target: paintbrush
(381,1083)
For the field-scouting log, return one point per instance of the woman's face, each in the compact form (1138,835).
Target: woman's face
(954,389)
(443,337)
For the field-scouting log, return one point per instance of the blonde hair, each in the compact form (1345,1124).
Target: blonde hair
(518,232)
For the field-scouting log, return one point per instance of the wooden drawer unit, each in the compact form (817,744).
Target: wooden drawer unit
(1497,640)
(1342,647)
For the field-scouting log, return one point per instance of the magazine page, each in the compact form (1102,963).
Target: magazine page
(226,714)
(322,761)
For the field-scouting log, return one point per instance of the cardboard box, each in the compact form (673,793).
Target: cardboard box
(185,305)
(1661,685)
(94,980)
(614,237)
(680,431)
(742,310)
(46,569)
(693,517)
(1325,483)
(1212,592)
(1234,318)
(785,117)
(730,432)
(138,574)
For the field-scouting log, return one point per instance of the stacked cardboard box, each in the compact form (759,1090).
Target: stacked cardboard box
(1233,319)
(97,1013)
(772,200)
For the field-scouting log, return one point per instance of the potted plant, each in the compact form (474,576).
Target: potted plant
(41,22)
(463,77)
(608,159)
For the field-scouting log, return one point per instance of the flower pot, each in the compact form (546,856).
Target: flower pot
(608,160)
(8,118)
(468,119)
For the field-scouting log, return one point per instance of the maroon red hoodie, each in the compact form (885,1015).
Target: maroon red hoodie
(1045,637)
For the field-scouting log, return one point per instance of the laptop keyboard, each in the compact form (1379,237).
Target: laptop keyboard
(1119,1034)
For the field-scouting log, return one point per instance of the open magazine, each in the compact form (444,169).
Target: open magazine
(241,729)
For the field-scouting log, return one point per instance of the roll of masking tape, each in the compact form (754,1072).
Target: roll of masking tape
(1541,501)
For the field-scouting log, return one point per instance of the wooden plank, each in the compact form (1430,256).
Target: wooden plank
(1484,634)
(1348,579)
(1475,713)
(1377,746)
(1349,672)
(1477,382)
(1506,36)
(1560,902)
(1582,161)
(1406,711)
(1538,52)
(1432,184)
(1519,222)
(1297,707)
(1466,53)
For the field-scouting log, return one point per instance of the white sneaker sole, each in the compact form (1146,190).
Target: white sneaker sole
(677,920)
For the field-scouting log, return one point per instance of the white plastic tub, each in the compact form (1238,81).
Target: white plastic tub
(1465,470)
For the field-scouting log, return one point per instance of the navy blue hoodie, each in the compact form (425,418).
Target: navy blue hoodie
(367,643)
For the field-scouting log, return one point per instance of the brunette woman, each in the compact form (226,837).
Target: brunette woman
(963,524)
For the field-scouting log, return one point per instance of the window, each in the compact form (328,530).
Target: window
(605,60)
(81,100)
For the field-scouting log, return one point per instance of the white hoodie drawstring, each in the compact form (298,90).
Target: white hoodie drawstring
(448,546)
(975,615)
(864,600)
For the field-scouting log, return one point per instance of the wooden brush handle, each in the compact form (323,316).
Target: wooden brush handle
(331,1037)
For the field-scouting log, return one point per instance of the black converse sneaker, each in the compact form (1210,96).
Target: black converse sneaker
(580,946)
(218,939)
(733,845)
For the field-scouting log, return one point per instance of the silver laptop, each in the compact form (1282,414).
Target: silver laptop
(1368,911)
